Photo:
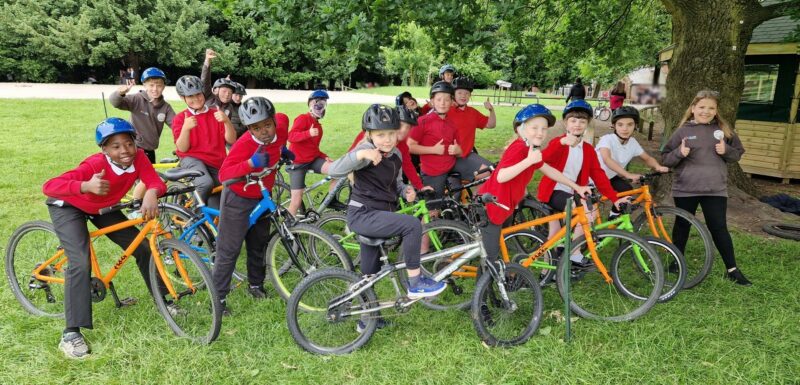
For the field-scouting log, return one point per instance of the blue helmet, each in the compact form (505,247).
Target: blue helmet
(318,94)
(445,68)
(578,105)
(111,127)
(532,111)
(153,72)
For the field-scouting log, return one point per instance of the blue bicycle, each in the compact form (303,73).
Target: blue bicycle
(293,251)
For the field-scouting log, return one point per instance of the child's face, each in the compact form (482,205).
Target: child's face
(264,130)
(154,88)
(624,127)
(462,97)
(195,101)
(411,103)
(705,110)
(224,94)
(534,130)
(402,133)
(384,140)
(121,149)
(448,76)
(237,98)
(442,102)
(576,126)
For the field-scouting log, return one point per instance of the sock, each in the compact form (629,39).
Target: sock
(414,281)
(72,330)
(576,258)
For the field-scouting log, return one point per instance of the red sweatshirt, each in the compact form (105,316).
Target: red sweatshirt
(511,192)
(305,146)
(67,186)
(408,167)
(206,140)
(555,154)
(236,164)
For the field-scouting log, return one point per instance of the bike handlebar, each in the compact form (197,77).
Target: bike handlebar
(136,203)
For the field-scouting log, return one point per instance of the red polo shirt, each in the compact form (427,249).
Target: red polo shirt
(430,130)
(511,192)
(466,121)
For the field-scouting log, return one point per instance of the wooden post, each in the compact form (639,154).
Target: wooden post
(650,131)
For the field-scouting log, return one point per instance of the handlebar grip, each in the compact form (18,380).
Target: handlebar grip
(119,206)
(487,198)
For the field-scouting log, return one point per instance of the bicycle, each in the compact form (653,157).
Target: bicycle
(506,307)
(294,249)
(35,265)
(309,211)
(602,112)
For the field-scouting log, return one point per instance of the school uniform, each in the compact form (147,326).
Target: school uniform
(206,148)
(306,149)
(148,118)
(467,120)
(622,154)
(230,109)
(69,209)
(435,167)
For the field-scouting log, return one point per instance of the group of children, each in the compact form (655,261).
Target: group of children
(226,138)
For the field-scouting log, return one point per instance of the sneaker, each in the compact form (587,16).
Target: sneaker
(382,323)
(737,277)
(486,315)
(174,310)
(257,291)
(74,345)
(583,263)
(226,312)
(337,206)
(425,287)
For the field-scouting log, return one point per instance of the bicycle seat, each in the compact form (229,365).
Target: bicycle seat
(369,241)
(175,174)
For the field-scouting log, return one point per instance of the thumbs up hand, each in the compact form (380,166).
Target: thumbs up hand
(684,149)
(454,149)
(438,148)
(721,147)
(189,122)
(97,185)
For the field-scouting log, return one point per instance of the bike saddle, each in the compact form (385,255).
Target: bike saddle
(175,174)
(369,241)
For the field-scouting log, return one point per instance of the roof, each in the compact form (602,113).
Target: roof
(774,30)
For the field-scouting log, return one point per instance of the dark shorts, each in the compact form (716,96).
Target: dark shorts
(558,201)
(620,184)
(468,166)
(437,183)
(151,155)
(297,172)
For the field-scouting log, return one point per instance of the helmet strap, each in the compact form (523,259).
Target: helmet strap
(621,139)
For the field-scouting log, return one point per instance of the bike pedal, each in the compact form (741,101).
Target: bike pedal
(130,301)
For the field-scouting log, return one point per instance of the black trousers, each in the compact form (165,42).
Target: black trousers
(70,226)
(234,229)
(384,224)
(715,209)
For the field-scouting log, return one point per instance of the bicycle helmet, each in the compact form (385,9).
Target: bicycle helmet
(442,86)
(531,111)
(380,117)
(256,109)
(625,112)
(318,94)
(578,105)
(223,82)
(111,127)
(153,72)
(406,115)
(239,89)
(189,85)
(445,68)
(398,101)
(463,83)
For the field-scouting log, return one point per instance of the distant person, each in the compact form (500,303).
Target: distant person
(578,91)
(618,96)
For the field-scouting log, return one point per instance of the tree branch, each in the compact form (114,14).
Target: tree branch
(772,11)
(616,21)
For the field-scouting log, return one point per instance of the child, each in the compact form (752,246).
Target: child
(617,96)
(304,139)
(100,181)
(616,150)
(408,119)
(466,120)
(578,161)
(239,94)
(446,74)
(201,134)
(220,95)
(149,110)
(260,147)
(699,151)
(376,165)
(405,99)
(515,170)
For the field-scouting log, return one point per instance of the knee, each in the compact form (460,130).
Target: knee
(411,225)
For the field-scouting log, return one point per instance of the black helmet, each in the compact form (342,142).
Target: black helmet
(222,82)
(189,85)
(625,112)
(406,115)
(380,117)
(239,89)
(442,86)
(256,109)
(463,83)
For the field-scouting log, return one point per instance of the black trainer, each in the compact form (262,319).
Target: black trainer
(337,206)
(226,312)
(738,278)
(257,291)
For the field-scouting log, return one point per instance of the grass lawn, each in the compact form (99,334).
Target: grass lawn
(716,333)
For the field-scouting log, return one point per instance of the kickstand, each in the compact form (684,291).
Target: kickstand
(125,302)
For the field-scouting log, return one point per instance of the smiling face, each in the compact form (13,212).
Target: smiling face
(462,97)
(264,130)
(624,127)
(705,110)
(448,76)
(154,88)
(224,94)
(533,130)
(411,103)
(442,101)
(195,101)
(576,125)
(121,149)
(384,140)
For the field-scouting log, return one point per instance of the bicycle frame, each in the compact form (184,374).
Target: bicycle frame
(329,196)
(642,194)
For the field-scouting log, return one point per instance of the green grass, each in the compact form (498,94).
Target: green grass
(716,333)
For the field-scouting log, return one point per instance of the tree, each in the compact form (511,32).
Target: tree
(412,55)
(711,39)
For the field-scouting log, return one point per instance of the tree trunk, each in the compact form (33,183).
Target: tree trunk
(711,39)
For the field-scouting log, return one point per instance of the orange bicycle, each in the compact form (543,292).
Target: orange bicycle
(35,265)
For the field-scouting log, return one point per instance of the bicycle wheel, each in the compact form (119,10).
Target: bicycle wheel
(319,330)
(313,249)
(335,224)
(699,249)
(592,297)
(444,234)
(529,210)
(511,323)
(604,113)
(625,264)
(32,244)
(195,313)
(522,244)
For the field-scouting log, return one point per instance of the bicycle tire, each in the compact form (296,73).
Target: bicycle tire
(281,270)
(200,314)
(592,297)
(783,230)
(311,327)
(523,289)
(522,244)
(671,258)
(335,223)
(699,250)
(530,209)
(38,240)
(603,113)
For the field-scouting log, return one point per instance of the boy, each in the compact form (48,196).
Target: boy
(220,95)
(466,120)
(201,134)
(446,74)
(100,181)
(260,147)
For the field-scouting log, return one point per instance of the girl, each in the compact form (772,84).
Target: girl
(617,96)
(699,152)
